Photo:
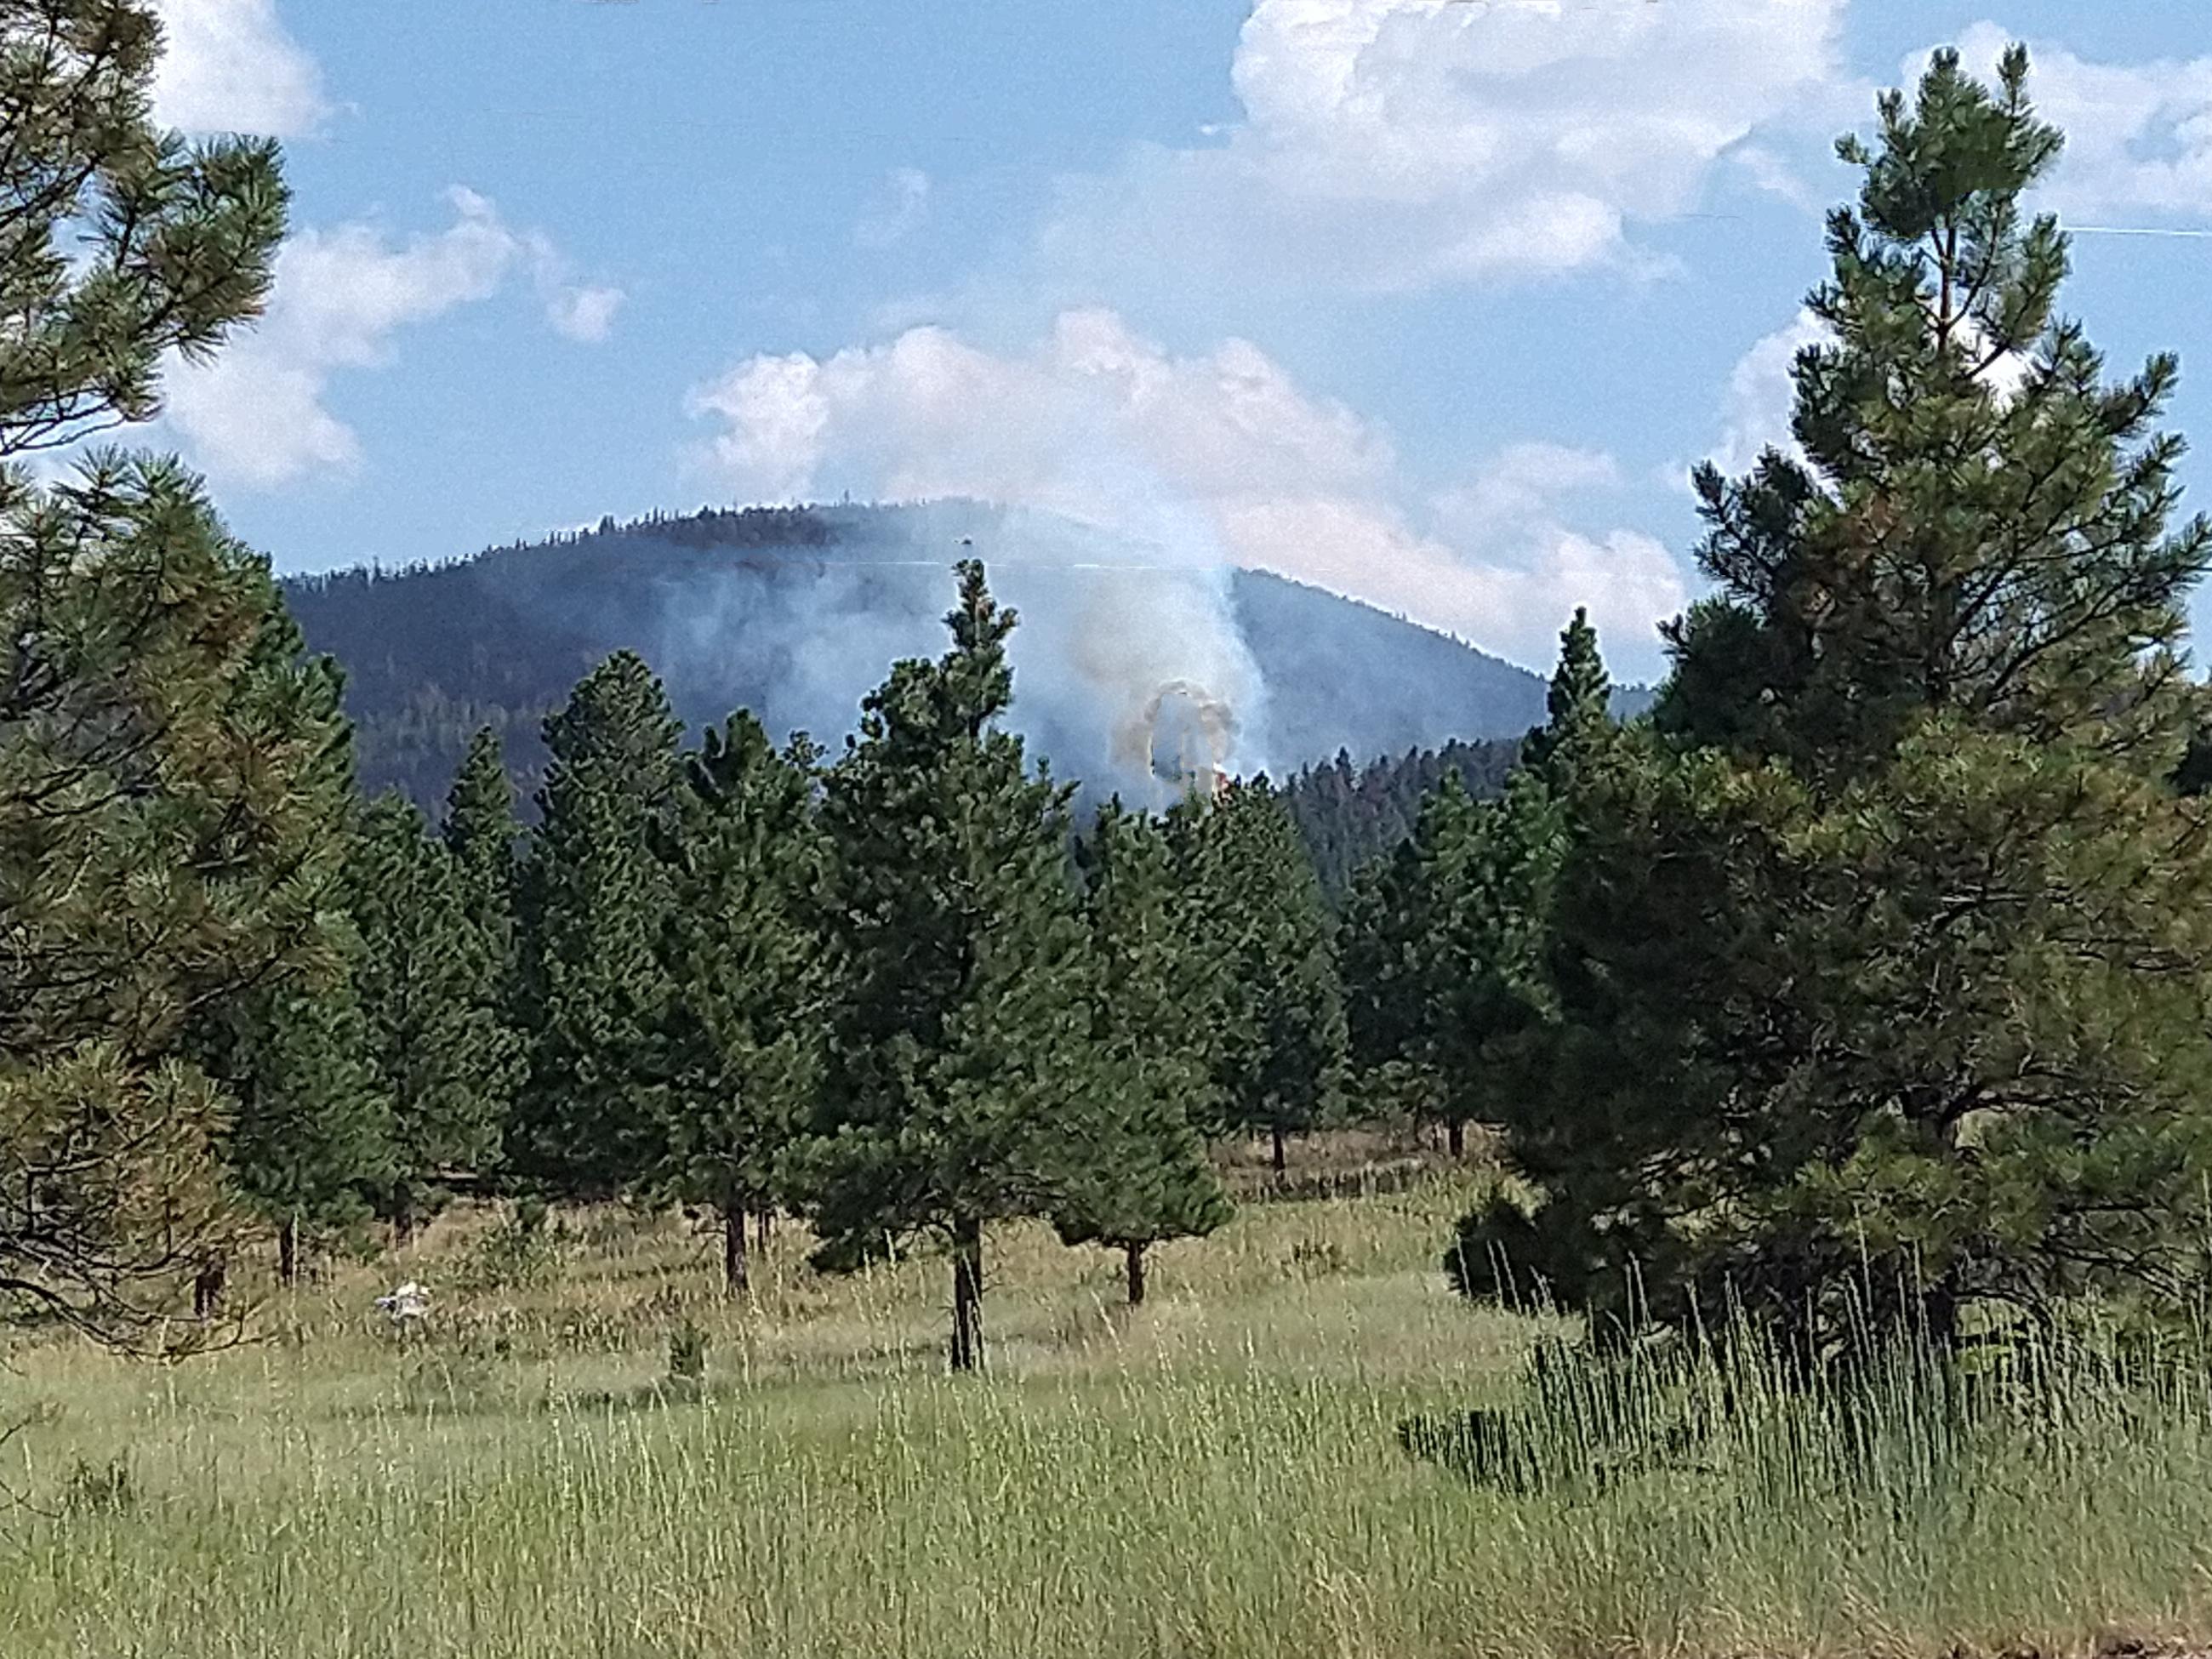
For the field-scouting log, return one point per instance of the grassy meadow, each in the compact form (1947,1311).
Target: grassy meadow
(1218,1474)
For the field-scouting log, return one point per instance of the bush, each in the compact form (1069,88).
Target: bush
(1316,1258)
(525,1248)
(687,1355)
(107,1488)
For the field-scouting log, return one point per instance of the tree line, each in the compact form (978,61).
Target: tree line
(903,993)
(1863,983)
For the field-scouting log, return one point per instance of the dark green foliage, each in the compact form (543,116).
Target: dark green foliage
(432,991)
(125,243)
(1951,548)
(1351,816)
(739,1056)
(480,833)
(171,774)
(594,906)
(1444,944)
(1579,708)
(1881,973)
(1267,962)
(312,1137)
(1143,1175)
(961,1041)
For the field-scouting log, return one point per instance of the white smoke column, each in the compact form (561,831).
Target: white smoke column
(1109,621)
(1112,457)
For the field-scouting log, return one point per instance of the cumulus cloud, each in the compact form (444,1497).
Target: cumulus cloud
(1403,145)
(1221,456)
(2138,136)
(899,208)
(1762,395)
(230,67)
(256,416)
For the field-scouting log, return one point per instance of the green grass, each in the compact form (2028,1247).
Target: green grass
(1219,1475)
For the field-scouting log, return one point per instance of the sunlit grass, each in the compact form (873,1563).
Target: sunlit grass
(1218,1474)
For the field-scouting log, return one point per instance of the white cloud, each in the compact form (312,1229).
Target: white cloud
(899,209)
(1520,484)
(255,415)
(230,67)
(1401,144)
(583,314)
(1219,457)
(2138,136)
(582,311)
(1774,174)
(1761,396)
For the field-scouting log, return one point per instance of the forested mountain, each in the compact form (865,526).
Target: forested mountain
(794,612)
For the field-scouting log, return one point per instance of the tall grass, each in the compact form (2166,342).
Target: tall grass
(1220,1476)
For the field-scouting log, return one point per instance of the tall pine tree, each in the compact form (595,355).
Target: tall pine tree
(1445,947)
(431,991)
(959,1067)
(171,817)
(1577,706)
(310,1142)
(1881,979)
(1141,1175)
(595,905)
(480,834)
(741,1043)
(1269,957)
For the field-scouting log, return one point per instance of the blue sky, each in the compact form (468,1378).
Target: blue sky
(1430,301)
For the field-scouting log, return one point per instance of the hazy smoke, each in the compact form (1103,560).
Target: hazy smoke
(1116,636)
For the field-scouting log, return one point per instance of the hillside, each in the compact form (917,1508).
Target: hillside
(797,612)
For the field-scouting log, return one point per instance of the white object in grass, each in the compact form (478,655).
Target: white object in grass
(409,1303)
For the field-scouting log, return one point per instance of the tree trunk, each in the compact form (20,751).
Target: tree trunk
(207,1288)
(967,1296)
(734,1276)
(1940,1310)
(1281,1162)
(287,1250)
(1455,1138)
(763,1225)
(403,1217)
(1134,1257)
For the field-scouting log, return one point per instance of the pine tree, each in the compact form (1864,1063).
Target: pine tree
(740,1044)
(1880,978)
(1382,967)
(959,1072)
(1979,527)
(1272,964)
(480,834)
(594,906)
(1142,1175)
(310,1140)
(1577,705)
(169,818)
(1443,953)
(439,1048)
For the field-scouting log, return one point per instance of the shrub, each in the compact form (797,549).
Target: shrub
(687,1354)
(107,1488)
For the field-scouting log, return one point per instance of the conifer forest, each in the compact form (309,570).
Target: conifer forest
(1717,1168)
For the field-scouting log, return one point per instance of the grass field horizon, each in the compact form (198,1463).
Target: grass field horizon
(1217,1473)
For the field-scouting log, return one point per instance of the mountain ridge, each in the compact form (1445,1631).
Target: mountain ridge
(796,611)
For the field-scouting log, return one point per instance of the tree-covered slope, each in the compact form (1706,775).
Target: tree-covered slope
(795,613)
